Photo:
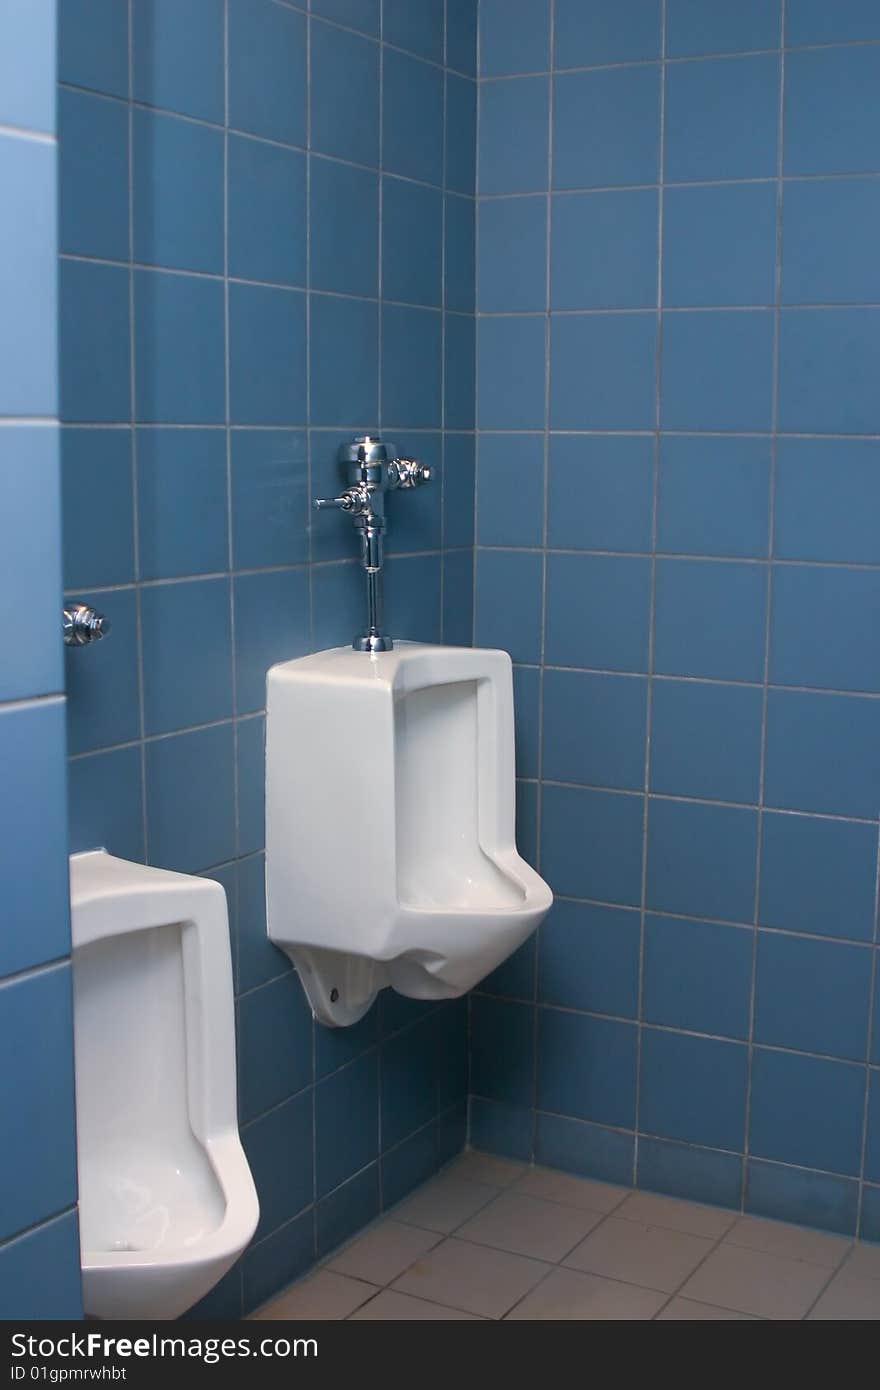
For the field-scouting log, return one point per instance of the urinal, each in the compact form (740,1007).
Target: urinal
(166,1198)
(390,850)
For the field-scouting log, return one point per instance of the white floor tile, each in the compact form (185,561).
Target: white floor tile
(685,1310)
(554,1186)
(529,1226)
(652,1256)
(323,1295)
(793,1242)
(752,1282)
(473,1277)
(850,1297)
(651,1209)
(383,1252)
(444,1203)
(570,1296)
(389,1306)
(487,1168)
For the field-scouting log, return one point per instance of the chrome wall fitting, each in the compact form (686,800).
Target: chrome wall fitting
(370,469)
(82,625)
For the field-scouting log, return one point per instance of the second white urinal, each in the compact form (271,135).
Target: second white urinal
(390,848)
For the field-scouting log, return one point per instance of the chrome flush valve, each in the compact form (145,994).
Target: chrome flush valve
(371,468)
(81,625)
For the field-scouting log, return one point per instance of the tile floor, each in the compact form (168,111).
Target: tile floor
(488,1238)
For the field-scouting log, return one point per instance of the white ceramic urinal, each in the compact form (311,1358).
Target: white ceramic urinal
(390,851)
(167,1201)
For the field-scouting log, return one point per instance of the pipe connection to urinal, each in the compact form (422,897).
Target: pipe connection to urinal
(371,468)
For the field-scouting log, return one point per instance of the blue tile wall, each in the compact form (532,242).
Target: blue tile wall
(687,579)
(39,1243)
(221,328)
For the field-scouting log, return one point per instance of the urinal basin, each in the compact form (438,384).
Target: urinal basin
(167,1201)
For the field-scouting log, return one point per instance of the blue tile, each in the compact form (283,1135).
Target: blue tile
(461,134)
(823,753)
(279,1150)
(875,1039)
(603,372)
(102,695)
(498,1128)
(190,812)
(738,104)
(460,347)
(709,619)
(406,1068)
(96,506)
(717,370)
(452,1131)
(818,875)
(526,704)
(513,254)
(274,1045)
(27,64)
(258,959)
(827,251)
(271,624)
(684,1170)
(413,604)
(267,212)
(832,104)
(344,95)
(820,633)
(458,490)
(872,1138)
(788,1092)
(29,285)
(604,251)
(514,37)
(335,1047)
(598,611)
(33,842)
(714,496)
(412,133)
(461,36)
(93,44)
(697,976)
(826,383)
(502,1050)
(458,598)
(527,821)
(513,139)
(706,740)
(178,190)
(511,354)
(827,493)
(182,522)
(412,252)
(796,1194)
(460,272)
(178,56)
(585,1149)
(267,356)
(605,32)
(812,21)
(606,127)
(812,995)
(869,1225)
(30,560)
(591,844)
(594,729)
(179,349)
(701,860)
(719,244)
(355,14)
(251,765)
(586,1067)
(344,385)
(514,978)
(37,1099)
(40,1272)
(186,639)
(106,803)
(693,1089)
(589,959)
(508,602)
(418,28)
(411,340)
(338,606)
(346,1122)
(338,260)
(409,1165)
(415,519)
(510,490)
(695,27)
(267,70)
(600,493)
(347,1210)
(93,175)
(276,1261)
(270,505)
(94,325)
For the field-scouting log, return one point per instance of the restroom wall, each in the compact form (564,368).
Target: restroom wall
(39,1252)
(678,483)
(267,223)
